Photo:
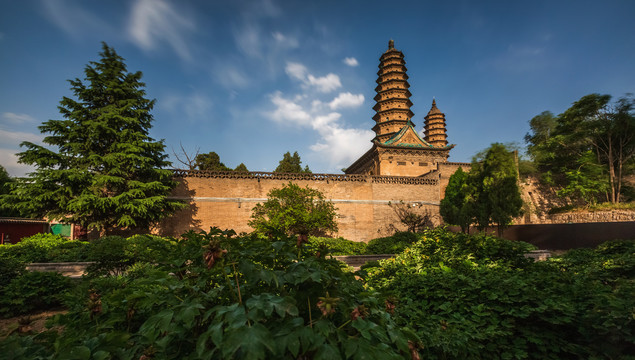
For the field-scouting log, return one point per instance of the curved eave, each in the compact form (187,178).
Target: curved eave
(407,92)
(379,114)
(379,103)
(404,146)
(380,79)
(392,53)
(378,87)
(398,68)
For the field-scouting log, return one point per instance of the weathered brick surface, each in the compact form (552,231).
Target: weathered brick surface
(363,207)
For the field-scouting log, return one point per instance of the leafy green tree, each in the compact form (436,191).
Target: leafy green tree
(210,162)
(99,167)
(542,128)
(294,210)
(457,206)
(591,124)
(291,164)
(496,184)
(241,168)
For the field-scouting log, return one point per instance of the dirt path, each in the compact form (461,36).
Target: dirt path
(34,322)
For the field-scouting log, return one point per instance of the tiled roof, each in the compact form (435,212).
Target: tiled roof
(394,140)
(14,220)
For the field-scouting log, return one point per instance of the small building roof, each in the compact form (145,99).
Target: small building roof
(15,220)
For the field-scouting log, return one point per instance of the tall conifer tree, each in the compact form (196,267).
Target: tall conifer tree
(99,167)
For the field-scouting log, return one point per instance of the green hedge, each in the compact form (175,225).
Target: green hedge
(392,244)
(477,297)
(44,248)
(338,246)
(32,291)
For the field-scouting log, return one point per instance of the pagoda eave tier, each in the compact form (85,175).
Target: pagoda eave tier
(405,92)
(379,89)
(391,54)
(407,103)
(401,122)
(400,67)
(407,112)
(382,79)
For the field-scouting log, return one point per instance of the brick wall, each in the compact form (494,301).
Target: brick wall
(225,200)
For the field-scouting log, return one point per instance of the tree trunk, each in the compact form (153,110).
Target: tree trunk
(611,169)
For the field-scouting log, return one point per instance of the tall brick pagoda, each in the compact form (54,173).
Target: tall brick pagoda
(397,148)
(435,127)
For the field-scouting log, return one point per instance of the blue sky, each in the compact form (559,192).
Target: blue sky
(251,80)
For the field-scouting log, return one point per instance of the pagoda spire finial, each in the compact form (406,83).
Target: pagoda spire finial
(434,102)
(391,44)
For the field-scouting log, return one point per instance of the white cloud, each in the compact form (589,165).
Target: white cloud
(153,21)
(288,111)
(351,61)
(14,118)
(11,140)
(346,100)
(323,84)
(285,41)
(296,71)
(14,138)
(342,146)
(338,146)
(9,161)
(327,120)
(326,83)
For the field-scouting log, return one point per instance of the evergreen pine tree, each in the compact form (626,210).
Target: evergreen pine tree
(106,172)
(241,168)
(292,164)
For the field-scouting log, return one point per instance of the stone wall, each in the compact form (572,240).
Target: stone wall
(225,200)
(363,202)
(539,199)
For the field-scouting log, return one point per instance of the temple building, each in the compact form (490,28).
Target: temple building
(397,148)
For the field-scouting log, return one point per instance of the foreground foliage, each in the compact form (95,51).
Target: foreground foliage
(476,297)
(219,296)
(223,297)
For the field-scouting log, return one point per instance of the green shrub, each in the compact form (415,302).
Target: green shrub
(261,299)
(33,291)
(114,254)
(609,262)
(392,244)
(477,297)
(10,268)
(44,248)
(338,246)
